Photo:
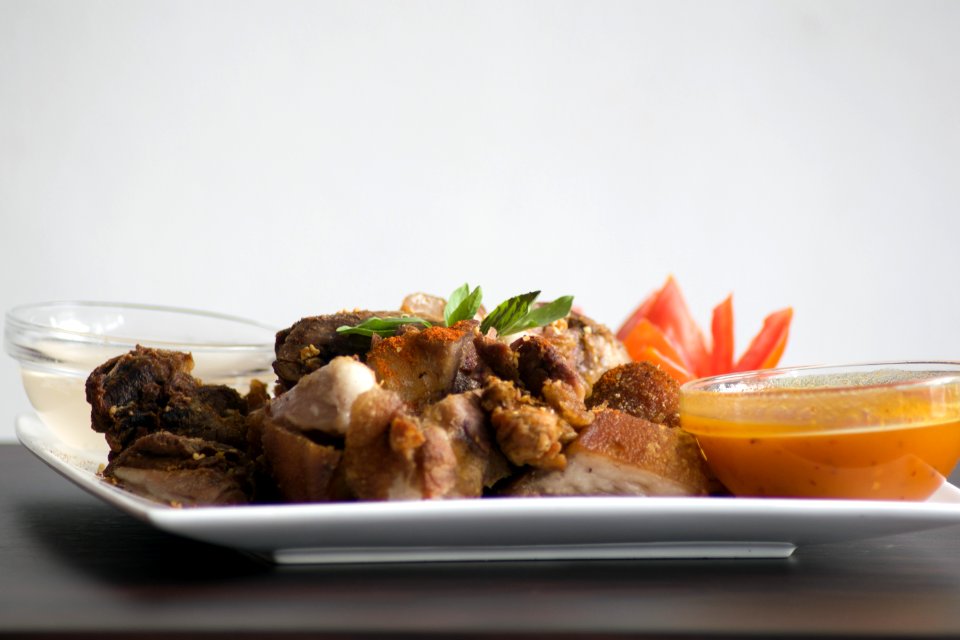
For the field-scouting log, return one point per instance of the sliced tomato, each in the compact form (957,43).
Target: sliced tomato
(766,348)
(676,370)
(669,312)
(646,334)
(638,314)
(721,328)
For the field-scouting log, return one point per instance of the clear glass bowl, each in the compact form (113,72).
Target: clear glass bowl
(886,431)
(58,344)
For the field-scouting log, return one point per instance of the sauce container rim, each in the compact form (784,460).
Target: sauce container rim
(20,327)
(929,372)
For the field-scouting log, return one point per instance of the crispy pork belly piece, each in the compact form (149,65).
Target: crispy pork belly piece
(498,356)
(183,471)
(640,389)
(619,454)
(546,373)
(302,470)
(321,401)
(312,342)
(480,464)
(590,347)
(150,390)
(393,454)
(389,456)
(423,365)
(528,431)
(302,431)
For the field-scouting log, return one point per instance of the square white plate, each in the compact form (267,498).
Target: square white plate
(508,528)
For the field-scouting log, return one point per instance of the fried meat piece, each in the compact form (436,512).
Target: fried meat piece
(480,464)
(302,470)
(183,471)
(424,365)
(321,401)
(445,452)
(386,450)
(312,342)
(528,431)
(150,390)
(640,389)
(301,432)
(588,346)
(546,373)
(619,454)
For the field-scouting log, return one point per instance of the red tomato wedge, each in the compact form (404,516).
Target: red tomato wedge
(673,368)
(721,328)
(767,346)
(646,334)
(662,330)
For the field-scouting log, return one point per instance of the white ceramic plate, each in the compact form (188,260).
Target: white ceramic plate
(509,528)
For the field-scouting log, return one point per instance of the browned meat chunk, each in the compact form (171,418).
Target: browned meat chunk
(528,431)
(322,399)
(150,390)
(538,361)
(301,431)
(546,373)
(446,452)
(422,366)
(589,347)
(183,471)
(303,470)
(640,389)
(479,462)
(386,451)
(619,454)
(313,342)
(498,356)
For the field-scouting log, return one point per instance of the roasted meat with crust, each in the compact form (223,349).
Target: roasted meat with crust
(312,342)
(301,432)
(183,471)
(619,454)
(444,452)
(150,390)
(321,401)
(640,389)
(424,365)
(527,430)
(589,347)
(303,470)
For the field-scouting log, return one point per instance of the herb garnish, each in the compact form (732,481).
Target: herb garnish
(384,327)
(510,316)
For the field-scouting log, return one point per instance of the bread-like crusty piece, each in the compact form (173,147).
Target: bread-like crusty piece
(641,389)
(619,454)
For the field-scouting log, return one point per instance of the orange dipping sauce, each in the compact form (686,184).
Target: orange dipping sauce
(878,432)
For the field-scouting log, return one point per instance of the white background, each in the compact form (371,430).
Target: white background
(280,159)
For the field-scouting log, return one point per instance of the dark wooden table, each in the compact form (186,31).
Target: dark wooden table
(70,564)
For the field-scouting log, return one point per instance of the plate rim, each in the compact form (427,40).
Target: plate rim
(243,528)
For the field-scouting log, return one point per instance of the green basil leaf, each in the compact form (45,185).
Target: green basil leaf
(544,315)
(381,326)
(462,305)
(507,313)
